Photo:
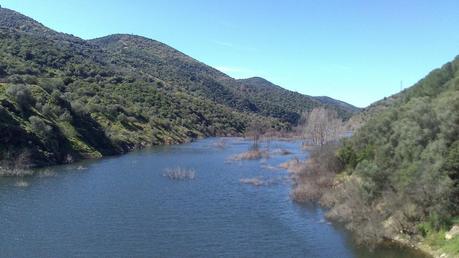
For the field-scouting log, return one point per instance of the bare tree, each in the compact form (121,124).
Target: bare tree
(322,126)
(255,130)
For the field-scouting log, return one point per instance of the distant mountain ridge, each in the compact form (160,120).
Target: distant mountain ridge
(57,91)
(161,61)
(295,102)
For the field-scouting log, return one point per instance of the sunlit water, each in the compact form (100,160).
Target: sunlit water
(125,207)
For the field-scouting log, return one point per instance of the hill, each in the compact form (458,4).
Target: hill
(282,101)
(161,61)
(401,168)
(63,98)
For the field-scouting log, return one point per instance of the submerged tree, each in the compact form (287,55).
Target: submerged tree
(255,130)
(322,126)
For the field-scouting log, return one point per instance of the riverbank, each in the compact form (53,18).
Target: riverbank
(434,244)
(320,179)
(21,168)
(423,247)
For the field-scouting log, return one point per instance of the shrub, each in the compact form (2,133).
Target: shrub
(39,127)
(131,119)
(28,79)
(47,110)
(251,155)
(66,116)
(94,107)
(15,79)
(22,95)
(78,107)
(316,176)
(256,181)
(179,173)
(52,84)
(122,118)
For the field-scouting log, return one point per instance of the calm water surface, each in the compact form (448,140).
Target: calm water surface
(125,207)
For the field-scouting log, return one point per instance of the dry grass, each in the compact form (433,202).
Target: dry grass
(307,191)
(308,147)
(293,166)
(311,183)
(179,173)
(260,181)
(15,172)
(269,167)
(22,183)
(47,173)
(314,177)
(256,181)
(251,155)
(221,144)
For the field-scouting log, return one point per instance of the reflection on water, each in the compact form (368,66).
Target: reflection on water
(125,207)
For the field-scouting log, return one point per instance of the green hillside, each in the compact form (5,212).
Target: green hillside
(402,165)
(275,101)
(255,95)
(63,98)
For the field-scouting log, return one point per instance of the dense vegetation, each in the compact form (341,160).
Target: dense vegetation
(275,101)
(399,172)
(63,98)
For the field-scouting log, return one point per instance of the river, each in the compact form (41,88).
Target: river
(125,207)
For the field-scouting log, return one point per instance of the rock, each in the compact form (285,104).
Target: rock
(454,231)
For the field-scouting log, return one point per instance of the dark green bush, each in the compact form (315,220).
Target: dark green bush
(22,95)
(39,127)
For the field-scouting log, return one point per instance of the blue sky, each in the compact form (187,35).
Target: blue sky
(355,51)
